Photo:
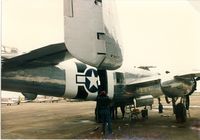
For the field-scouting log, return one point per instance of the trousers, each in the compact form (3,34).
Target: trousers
(106,120)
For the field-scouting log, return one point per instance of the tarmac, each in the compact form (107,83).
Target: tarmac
(75,120)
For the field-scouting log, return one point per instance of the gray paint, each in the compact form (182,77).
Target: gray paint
(91,29)
(45,56)
(44,81)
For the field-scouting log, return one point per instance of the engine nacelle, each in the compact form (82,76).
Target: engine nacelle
(29,96)
(178,87)
(144,101)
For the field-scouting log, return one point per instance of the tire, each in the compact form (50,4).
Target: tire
(180,111)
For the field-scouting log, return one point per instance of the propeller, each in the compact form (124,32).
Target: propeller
(198,78)
(187,102)
(187,97)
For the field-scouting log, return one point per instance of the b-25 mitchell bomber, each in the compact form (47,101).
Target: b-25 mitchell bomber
(37,73)
(91,36)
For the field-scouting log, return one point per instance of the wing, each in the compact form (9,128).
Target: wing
(192,74)
(48,55)
(145,86)
(141,82)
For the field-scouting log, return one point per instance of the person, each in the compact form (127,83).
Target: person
(19,100)
(103,103)
(160,108)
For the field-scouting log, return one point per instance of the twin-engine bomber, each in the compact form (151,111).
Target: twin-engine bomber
(91,35)
(39,73)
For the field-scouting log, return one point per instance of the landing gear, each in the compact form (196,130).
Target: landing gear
(122,107)
(186,102)
(113,112)
(180,110)
(180,113)
(160,106)
(144,113)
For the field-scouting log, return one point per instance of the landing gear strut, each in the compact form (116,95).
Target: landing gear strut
(160,106)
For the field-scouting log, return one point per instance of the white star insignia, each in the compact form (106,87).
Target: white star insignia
(93,80)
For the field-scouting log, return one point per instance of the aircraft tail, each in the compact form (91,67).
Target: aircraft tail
(86,34)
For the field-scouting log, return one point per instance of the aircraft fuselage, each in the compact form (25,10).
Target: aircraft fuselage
(76,80)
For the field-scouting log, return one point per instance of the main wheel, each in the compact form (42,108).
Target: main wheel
(144,113)
(180,112)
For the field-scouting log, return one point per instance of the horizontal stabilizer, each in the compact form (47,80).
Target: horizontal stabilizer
(146,67)
(48,55)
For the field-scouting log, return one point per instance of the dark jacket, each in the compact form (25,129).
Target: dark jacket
(103,102)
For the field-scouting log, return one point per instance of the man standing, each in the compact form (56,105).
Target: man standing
(103,104)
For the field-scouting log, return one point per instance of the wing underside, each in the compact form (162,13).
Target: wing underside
(195,73)
(142,82)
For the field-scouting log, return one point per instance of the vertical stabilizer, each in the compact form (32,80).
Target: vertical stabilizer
(86,34)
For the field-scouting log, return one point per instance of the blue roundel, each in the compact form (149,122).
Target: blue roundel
(91,80)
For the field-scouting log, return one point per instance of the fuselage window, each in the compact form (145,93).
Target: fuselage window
(119,78)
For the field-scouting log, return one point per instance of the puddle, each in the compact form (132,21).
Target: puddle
(164,115)
(170,107)
(195,126)
(163,126)
(86,121)
(79,121)
(173,126)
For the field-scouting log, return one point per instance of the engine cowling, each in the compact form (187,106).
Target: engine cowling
(178,87)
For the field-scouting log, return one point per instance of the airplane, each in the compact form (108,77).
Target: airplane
(46,99)
(33,75)
(8,52)
(11,101)
(91,36)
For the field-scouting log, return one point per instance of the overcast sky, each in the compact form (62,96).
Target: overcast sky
(163,33)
